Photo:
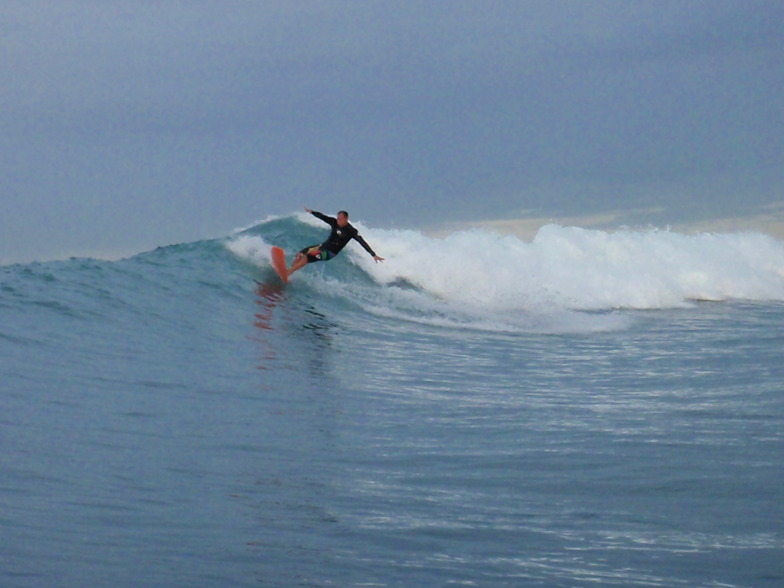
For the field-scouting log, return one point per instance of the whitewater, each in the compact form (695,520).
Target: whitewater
(585,408)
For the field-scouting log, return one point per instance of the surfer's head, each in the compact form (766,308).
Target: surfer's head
(342,218)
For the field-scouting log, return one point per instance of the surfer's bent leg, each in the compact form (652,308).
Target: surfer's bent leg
(308,255)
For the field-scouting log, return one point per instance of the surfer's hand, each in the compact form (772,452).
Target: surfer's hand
(376,258)
(307,209)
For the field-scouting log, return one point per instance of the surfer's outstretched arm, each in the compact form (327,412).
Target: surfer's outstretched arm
(327,219)
(358,238)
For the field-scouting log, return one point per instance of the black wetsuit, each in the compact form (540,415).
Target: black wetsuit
(337,240)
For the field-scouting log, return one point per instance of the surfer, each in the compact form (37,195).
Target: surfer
(342,233)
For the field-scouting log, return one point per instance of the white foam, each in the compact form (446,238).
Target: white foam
(250,248)
(581,269)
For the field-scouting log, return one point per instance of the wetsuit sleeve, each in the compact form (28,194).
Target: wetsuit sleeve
(358,238)
(327,219)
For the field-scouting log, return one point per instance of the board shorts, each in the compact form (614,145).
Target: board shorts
(317,253)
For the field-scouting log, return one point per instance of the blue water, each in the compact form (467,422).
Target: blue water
(588,409)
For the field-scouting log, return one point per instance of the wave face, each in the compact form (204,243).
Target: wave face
(567,278)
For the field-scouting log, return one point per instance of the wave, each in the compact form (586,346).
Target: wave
(565,280)
(562,279)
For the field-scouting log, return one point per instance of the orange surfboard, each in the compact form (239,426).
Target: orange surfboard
(279,263)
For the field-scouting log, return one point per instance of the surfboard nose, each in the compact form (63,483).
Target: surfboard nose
(279,263)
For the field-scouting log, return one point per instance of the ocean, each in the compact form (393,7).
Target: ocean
(588,408)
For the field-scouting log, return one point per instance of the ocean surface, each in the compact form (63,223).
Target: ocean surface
(586,409)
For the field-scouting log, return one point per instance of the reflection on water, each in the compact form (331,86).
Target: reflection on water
(269,296)
(280,314)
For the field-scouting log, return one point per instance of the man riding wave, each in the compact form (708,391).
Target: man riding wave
(342,232)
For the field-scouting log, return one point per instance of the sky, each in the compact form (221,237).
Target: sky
(130,124)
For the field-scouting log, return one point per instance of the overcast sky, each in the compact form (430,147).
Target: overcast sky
(127,124)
